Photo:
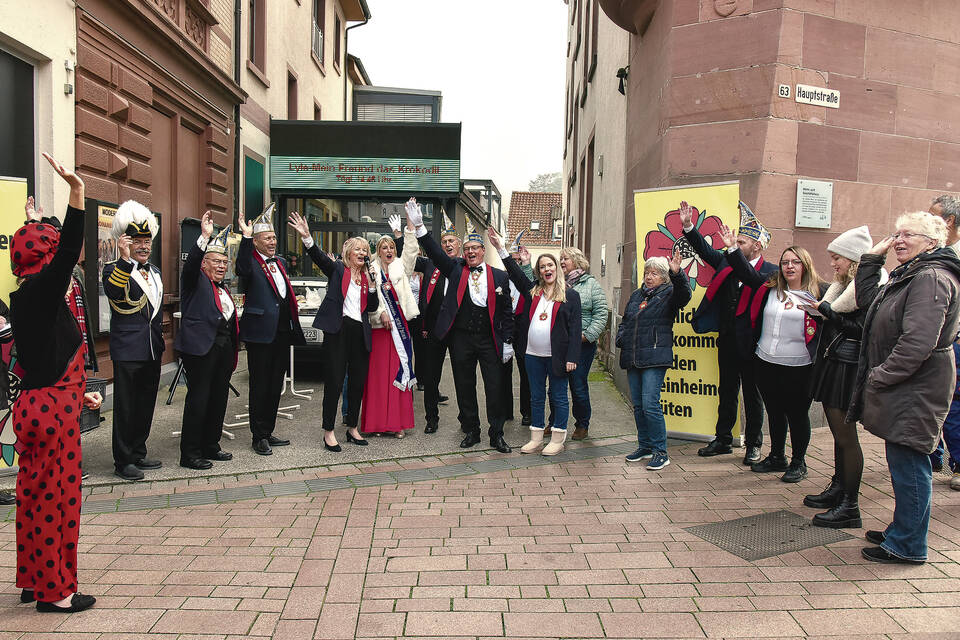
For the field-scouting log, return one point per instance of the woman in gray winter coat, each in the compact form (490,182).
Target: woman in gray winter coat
(906,373)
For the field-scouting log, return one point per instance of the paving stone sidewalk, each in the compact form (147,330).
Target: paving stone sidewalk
(588,547)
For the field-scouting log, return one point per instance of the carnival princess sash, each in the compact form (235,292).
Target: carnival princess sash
(400,332)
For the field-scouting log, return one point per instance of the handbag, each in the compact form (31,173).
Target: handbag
(843,349)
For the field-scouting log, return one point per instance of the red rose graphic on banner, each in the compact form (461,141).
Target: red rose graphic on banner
(670,234)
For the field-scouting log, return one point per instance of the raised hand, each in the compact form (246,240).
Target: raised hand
(34,214)
(414,214)
(728,237)
(206,225)
(246,227)
(882,247)
(123,246)
(72,179)
(395,223)
(675,261)
(686,214)
(524,255)
(494,238)
(299,224)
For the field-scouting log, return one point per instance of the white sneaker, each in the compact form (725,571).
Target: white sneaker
(536,441)
(955,481)
(556,442)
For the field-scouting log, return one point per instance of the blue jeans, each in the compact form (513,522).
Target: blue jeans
(645,393)
(579,388)
(538,370)
(912,478)
(343,402)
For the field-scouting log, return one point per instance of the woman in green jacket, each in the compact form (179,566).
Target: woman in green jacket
(593,309)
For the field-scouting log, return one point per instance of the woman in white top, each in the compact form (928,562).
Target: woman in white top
(388,392)
(786,336)
(553,341)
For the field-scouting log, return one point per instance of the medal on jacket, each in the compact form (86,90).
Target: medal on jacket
(273,268)
(788,304)
(543,316)
(643,305)
(475,278)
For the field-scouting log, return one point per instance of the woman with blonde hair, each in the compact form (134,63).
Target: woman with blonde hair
(593,315)
(388,392)
(907,374)
(553,342)
(786,335)
(844,307)
(343,318)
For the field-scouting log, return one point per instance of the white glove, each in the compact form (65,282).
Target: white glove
(414,214)
(395,223)
(507,352)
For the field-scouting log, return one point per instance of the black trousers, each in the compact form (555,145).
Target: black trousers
(429,371)
(507,387)
(267,364)
(416,335)
(135,385)
(737,373)
(467,350)
(208,383)
(346,351)
(784,391)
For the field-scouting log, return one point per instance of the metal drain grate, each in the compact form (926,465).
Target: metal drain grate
(767,534)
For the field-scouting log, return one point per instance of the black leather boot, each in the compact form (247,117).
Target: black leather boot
(829,498)
(845,515)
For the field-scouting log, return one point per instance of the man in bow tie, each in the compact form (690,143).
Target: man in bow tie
(476,319)
(134,290)
(207,342)
(270,324)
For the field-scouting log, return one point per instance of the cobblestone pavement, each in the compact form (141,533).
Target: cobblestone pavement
(480,545)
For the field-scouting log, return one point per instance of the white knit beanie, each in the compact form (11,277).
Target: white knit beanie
(852,244)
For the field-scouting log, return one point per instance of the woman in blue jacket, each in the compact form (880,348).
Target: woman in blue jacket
(645,340)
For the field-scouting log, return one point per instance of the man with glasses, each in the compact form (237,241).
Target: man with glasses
(476,319)
(725,309)
(207,342)
(948,208)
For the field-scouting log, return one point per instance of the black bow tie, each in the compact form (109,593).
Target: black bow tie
(220,284)
(477,268)
(269,260)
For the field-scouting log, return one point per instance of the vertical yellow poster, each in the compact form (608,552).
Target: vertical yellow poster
(13,195)
(689,394)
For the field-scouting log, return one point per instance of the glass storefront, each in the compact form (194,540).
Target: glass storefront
(333,220)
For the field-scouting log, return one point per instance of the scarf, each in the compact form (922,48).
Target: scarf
(400,332)
(573,277)
(74,299)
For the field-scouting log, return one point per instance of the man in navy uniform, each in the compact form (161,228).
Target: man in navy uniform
(134,290)
(270,324)
(208,341)
(476,319)
(725,308)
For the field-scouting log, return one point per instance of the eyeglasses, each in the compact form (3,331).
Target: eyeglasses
(907,235)
(795,263)
(218,263)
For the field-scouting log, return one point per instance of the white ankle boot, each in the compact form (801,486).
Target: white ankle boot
(536,441)
(556,442)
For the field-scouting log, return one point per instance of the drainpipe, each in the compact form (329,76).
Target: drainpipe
(346,42)
(236,115)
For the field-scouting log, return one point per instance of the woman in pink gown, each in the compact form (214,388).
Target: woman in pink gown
(388,393)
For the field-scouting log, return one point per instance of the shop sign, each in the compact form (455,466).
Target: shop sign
(406,175)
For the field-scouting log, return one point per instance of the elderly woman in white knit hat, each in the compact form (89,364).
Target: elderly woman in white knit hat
(844,307)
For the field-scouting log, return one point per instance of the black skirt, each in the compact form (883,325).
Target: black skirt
(832,382)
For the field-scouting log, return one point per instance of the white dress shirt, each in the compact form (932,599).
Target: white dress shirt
(477,285)
(273,268)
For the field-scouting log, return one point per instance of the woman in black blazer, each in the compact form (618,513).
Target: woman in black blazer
(553,342)
(342,317)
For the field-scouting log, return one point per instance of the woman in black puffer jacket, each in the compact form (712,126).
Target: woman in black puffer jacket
(645,340)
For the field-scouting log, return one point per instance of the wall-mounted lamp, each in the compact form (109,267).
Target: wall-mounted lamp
(622,73)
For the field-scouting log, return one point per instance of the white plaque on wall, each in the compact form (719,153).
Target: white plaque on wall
(814,203)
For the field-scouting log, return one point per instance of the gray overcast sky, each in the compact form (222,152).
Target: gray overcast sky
(499,65)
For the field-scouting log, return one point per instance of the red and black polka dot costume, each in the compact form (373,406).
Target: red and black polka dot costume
(46,414)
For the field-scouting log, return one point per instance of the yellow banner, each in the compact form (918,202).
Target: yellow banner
(13,195)
(689,394)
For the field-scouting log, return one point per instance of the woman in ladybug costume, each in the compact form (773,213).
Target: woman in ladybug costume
(46,414)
